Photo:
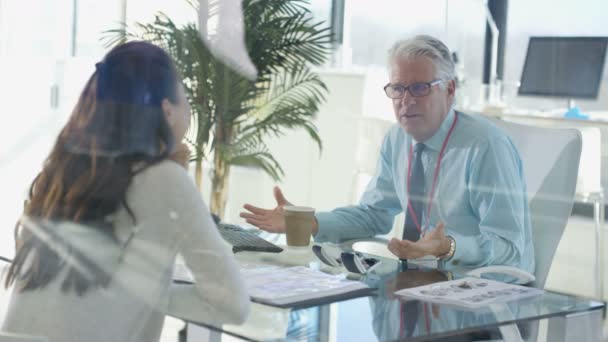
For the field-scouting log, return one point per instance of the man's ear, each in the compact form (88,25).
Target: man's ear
(167,110)
(451,90)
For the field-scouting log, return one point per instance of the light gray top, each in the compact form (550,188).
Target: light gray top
(171,218)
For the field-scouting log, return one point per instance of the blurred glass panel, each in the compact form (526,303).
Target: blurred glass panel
(93,18)
(465,36)
(143,10)
(374,27)
(36,28)
(321,10)
(34,37)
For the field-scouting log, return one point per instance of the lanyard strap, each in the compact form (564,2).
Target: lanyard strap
(435,177)
(427,322)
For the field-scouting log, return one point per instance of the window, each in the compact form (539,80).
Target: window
(581,18)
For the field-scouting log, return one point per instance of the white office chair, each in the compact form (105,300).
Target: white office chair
(550,159)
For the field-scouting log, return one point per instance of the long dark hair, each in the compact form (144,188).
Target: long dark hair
(117,129)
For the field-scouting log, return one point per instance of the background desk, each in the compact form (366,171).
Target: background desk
(382,316)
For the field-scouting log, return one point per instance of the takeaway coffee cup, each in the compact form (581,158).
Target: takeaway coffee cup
(298,225)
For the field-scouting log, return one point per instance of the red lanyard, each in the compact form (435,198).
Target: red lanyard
(437,167)
(427,322)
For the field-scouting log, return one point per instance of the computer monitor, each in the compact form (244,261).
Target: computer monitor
(569,67)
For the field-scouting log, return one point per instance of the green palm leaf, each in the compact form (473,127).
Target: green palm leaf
(231,115)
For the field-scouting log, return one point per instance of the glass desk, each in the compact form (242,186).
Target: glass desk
(383,317)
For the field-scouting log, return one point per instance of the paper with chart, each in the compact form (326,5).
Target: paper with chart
(285,286)
(277,285)
(469,292)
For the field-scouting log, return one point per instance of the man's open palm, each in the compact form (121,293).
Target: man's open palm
(431,243)
(270,220)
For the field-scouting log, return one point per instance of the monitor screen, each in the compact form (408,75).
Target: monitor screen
(564,66)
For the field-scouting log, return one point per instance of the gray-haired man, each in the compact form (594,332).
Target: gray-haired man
(458,178)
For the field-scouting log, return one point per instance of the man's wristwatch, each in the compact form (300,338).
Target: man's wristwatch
(450,253)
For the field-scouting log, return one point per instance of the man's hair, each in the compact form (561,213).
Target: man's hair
(425,46)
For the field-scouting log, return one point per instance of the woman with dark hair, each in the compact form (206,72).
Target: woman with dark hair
(109,212)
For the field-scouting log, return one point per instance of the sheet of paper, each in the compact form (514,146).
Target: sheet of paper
(281,285)
(469,292)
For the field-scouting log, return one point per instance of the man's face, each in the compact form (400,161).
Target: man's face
(420,116)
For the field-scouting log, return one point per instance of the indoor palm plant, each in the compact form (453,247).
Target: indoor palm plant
(231,115)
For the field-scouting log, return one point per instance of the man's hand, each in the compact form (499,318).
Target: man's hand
(270,220)
(181,155)
(433,243)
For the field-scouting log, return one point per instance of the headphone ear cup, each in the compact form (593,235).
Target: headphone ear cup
(350,262)
(325,258)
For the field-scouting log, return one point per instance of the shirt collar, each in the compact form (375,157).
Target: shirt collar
(435,142)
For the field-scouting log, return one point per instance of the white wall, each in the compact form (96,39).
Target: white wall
(29,129)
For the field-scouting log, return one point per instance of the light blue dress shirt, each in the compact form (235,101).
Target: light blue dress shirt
(480,195)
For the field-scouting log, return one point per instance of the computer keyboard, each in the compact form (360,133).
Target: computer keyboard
(244,240)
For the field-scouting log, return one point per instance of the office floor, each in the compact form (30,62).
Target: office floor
(572,270)
(573,265)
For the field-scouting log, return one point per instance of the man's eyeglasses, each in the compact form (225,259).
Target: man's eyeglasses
(397,91)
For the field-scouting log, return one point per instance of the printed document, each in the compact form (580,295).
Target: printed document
(288,286)
(469,292)
(277,285)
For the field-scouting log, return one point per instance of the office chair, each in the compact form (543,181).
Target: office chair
(550,159)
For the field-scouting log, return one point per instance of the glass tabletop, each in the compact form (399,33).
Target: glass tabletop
(383,316)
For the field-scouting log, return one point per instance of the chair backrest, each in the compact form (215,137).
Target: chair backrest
(550,158)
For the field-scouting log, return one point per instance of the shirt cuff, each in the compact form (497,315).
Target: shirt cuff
(328,225)
(468,250)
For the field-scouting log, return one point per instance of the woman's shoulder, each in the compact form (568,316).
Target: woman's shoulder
(162,186)
(163,177)
(165,167)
